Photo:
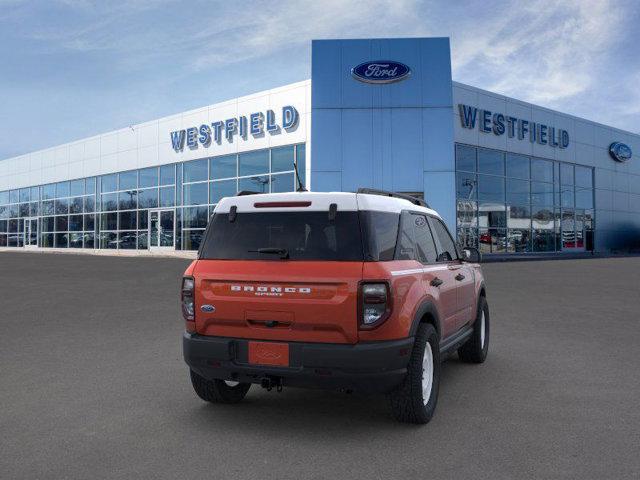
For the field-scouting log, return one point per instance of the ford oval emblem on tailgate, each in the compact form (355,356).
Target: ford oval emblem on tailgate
(208,308)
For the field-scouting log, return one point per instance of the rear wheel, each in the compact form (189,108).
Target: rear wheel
(477,347)
(414,401)
(218,391)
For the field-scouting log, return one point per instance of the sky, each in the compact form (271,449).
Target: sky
(70,69)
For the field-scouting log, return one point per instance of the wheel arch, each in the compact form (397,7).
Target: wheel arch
(426,313)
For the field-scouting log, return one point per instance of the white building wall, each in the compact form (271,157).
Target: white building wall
(149,144)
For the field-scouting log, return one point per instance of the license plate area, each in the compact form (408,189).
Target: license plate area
(269,353)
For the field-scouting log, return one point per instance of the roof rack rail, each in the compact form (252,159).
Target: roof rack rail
(385,193)
(246,192)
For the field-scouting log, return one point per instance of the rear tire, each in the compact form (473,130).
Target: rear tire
(477,347)
(218,391)
(414,401)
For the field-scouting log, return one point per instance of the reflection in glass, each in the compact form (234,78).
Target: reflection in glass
(519,217)
(568,228)
(518,191)
(517,166)
(61,240)
(75,240)
(127,240)
(148,177)
(491,188)
(128,180)
(148,198)
(492,215)
(519,240)
(259,184)
(219,190)
(192,239)
(465,158)
(490,161)
(167,175)
(89,240)
(108,240)
(492,240)
(466,185)
(62,206)
(195,170)
(541,193)
(282,183)
(541,170)
(62,223)
(252,163)
(109,202)
(282,159)
(196,194)
(127,200)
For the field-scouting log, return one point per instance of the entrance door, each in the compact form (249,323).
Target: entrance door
(572,227)
(162,229)
(30,232)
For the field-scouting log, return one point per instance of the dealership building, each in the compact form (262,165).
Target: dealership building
(507,176)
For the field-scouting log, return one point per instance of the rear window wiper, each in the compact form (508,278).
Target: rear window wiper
(283,252)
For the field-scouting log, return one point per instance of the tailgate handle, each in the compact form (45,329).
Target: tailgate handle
(269,323)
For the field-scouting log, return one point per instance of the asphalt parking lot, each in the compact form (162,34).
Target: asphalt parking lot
(92,385)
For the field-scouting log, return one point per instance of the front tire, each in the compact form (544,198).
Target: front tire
(477,347)
(218,391)
(414,401)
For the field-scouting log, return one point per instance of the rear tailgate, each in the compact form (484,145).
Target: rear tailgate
(303,301)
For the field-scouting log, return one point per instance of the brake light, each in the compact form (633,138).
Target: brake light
(188,309)
(375,304)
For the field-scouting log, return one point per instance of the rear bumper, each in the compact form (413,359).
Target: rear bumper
(365,367)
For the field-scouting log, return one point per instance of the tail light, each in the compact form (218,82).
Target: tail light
(375,304)
(188,284)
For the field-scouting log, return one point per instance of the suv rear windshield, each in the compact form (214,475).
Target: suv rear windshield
(294,235)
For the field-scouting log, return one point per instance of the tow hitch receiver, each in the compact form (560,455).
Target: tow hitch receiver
(270,382)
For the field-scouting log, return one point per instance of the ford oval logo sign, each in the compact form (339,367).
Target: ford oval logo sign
(380,71)
(620,151)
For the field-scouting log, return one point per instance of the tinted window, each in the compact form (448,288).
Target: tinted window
(380,230)
(406,248)
(223,167)
(282,159)
(490,161)
(305,236)
(424,241)
(446,247)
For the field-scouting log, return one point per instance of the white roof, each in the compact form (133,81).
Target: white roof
(320,201)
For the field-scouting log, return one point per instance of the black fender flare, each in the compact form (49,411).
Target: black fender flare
(427,307)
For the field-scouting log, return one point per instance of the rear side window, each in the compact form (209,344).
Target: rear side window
(380,232)
(446,247)
(414,240)
(303,235)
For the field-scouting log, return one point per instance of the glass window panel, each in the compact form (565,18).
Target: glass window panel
(3,240)
(568,229)
(192,239)
(12,240)
(541,170)
(519,217)
(282,183)
(566,174)
(3,226)
(62,206)
(48,224)
(584,198)
(109,201)
(282,159)
(148,177)
(109,183)
(167,195)
(90,185)
(541,193)
(76,187)
(542,218)
(143,239)
(492,240)
(128,220)
(35,194)
(108,240)
(544,240)
(13,210)
(24,210)
(517,166)
(128,180)
(75,223)
(196,194)
(517,191)
(89,240)
(223,167)
(24,195)
(168,175)
(518,240)
(75,240)
(195,170)
(14,196)
(127,200)
(89,222)
(301,160)
(584,177)
(490,161)
(62,223)
(148,198)
(143,219)
(466,186)
(4,211)
(225,188)
(465,158)
(258,184)
(178,185)
(4,198)
(109,221)
(252,163)
(33,209)
(48,192)
(75,205)
(196,217)
(62,240)
(46,240)
(492,215)
(62,189)
(491,188)
(13,226)
(467,214)
(89,204)
(566,194)
(128,240)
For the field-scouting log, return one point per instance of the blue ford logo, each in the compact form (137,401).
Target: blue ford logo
(208,308)
(380,71)
(620,151)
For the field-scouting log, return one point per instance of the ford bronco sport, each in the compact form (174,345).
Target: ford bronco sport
(354,291)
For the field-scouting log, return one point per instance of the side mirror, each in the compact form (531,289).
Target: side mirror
(471,254)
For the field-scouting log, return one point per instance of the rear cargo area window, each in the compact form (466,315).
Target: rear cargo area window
(380,231)
(279,235)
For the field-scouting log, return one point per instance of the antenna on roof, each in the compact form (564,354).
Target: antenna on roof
(300,184)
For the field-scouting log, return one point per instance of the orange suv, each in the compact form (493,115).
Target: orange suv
(358,291)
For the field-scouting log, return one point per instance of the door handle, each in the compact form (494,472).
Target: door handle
(436,282)
(459,277)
